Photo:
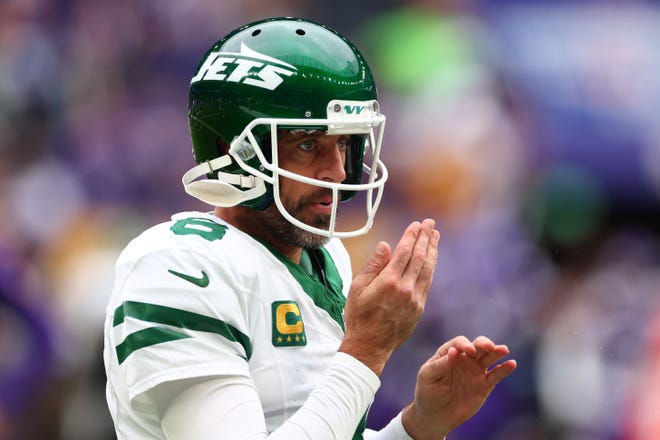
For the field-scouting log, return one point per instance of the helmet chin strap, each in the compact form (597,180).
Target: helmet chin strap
(223,191)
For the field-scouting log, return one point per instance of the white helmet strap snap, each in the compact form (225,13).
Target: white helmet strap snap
(223,191)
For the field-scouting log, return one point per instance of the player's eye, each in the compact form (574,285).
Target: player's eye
(306,146)
(342,143)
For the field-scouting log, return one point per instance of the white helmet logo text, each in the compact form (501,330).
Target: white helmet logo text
(247,67)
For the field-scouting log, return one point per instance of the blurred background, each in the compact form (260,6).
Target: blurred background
(530,130)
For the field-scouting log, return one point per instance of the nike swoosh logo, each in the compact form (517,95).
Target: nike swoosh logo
(202,281)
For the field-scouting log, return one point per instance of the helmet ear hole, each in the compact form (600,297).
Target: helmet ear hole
(222,145)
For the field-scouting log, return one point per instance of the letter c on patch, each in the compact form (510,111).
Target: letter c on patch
(288,320)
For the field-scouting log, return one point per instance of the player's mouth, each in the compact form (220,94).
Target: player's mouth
(322,206)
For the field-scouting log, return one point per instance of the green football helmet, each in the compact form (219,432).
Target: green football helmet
(282,74)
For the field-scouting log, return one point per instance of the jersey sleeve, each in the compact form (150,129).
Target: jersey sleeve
(177,315)
(230,408)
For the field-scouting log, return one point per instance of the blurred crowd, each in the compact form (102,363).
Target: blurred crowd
(528,129)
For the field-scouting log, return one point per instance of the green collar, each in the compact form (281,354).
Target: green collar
(329,296)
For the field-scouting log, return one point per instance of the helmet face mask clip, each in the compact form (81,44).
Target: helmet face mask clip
(318,83)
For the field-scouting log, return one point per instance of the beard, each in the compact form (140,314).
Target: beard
(287,232)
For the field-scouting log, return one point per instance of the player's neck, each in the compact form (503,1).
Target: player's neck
(242,218)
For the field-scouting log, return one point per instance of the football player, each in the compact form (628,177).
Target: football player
(246,322)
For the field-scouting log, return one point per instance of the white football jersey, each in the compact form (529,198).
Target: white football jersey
(196,297)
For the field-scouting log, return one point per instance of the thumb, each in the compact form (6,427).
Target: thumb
(376,263)
(438,366)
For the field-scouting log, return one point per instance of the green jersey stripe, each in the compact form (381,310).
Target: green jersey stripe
(181,319)
(359,432)
(145,338)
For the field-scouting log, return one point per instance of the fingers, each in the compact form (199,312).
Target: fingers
(487,352)
(428,269)
(376,262)
(419,254)
(460,343)
(498,352)
(415,253)
(483,344)
(438,366)
(482,350)
(501,371)
(403,249)
(411,251)
(469,357)
(413,262)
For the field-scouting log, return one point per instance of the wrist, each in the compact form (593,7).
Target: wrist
(370,356)
(419,429)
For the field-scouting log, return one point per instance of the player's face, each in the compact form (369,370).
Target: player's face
(315,155)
